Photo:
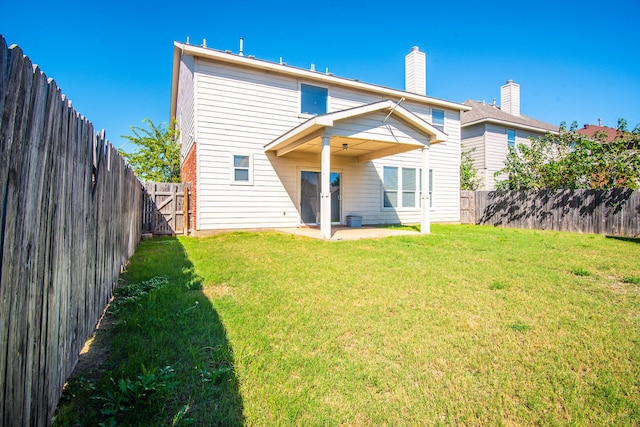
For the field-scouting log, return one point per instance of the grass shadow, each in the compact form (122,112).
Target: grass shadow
(158,318)
(625,239)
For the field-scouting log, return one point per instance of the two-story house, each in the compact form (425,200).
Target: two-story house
(268,145)
(488,130)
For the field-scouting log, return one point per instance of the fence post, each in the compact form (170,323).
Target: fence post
(185,210)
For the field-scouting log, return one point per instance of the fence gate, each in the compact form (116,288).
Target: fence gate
(164,208)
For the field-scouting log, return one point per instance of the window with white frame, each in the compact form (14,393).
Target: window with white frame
(511,138)
(313,99)
(437,118)
(401,187)
(390,186)
(409,188)
(241,172)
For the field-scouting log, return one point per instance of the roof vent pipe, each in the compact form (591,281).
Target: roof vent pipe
(204,42)
(241,53)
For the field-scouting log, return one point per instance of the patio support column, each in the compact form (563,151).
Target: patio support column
(425,223)
(325,188)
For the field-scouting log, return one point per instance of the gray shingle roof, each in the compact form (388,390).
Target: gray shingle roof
(487,112)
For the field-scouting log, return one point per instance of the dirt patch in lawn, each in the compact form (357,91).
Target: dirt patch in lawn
(95,351)
(217,291)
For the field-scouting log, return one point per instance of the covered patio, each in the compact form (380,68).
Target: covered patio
(362,133)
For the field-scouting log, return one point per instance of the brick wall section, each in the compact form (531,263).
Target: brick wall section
(188,174)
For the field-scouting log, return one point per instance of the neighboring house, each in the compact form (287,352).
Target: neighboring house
(268,145)
(492,129)
(593,130)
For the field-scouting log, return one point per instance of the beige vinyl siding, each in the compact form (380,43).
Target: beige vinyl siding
(235,119)
(474,140)
(497,150)
(342,99)
(239,111)
(445,163)
(375,126)
(473,137)
(185,105)
(522,136)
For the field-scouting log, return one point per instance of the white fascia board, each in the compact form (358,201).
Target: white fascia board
(300,131)
(327,79)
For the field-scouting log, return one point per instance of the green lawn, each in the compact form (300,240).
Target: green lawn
(466,326)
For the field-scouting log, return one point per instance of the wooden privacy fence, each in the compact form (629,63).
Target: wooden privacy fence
(613,212)
(164,209)
(70,218)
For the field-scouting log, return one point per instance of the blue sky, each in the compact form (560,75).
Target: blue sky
(573,60)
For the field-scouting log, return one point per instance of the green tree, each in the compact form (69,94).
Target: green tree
(157,157)
(573,161)
(469,179)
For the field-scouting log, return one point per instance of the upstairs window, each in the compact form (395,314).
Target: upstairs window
(437,119)
(313,99)
(241,169)
(511,138)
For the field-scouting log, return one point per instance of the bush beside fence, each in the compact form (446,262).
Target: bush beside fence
(613,212)
(70,218)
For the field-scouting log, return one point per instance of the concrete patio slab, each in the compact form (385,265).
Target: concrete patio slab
(347,233)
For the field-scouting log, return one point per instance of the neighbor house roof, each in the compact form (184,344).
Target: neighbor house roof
(591,130)
(482,112)
(281,68)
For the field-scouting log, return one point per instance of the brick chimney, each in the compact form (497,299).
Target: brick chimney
(416,71)
(510,98)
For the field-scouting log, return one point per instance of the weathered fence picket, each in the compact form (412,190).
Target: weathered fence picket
(70,218)
(613,212)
